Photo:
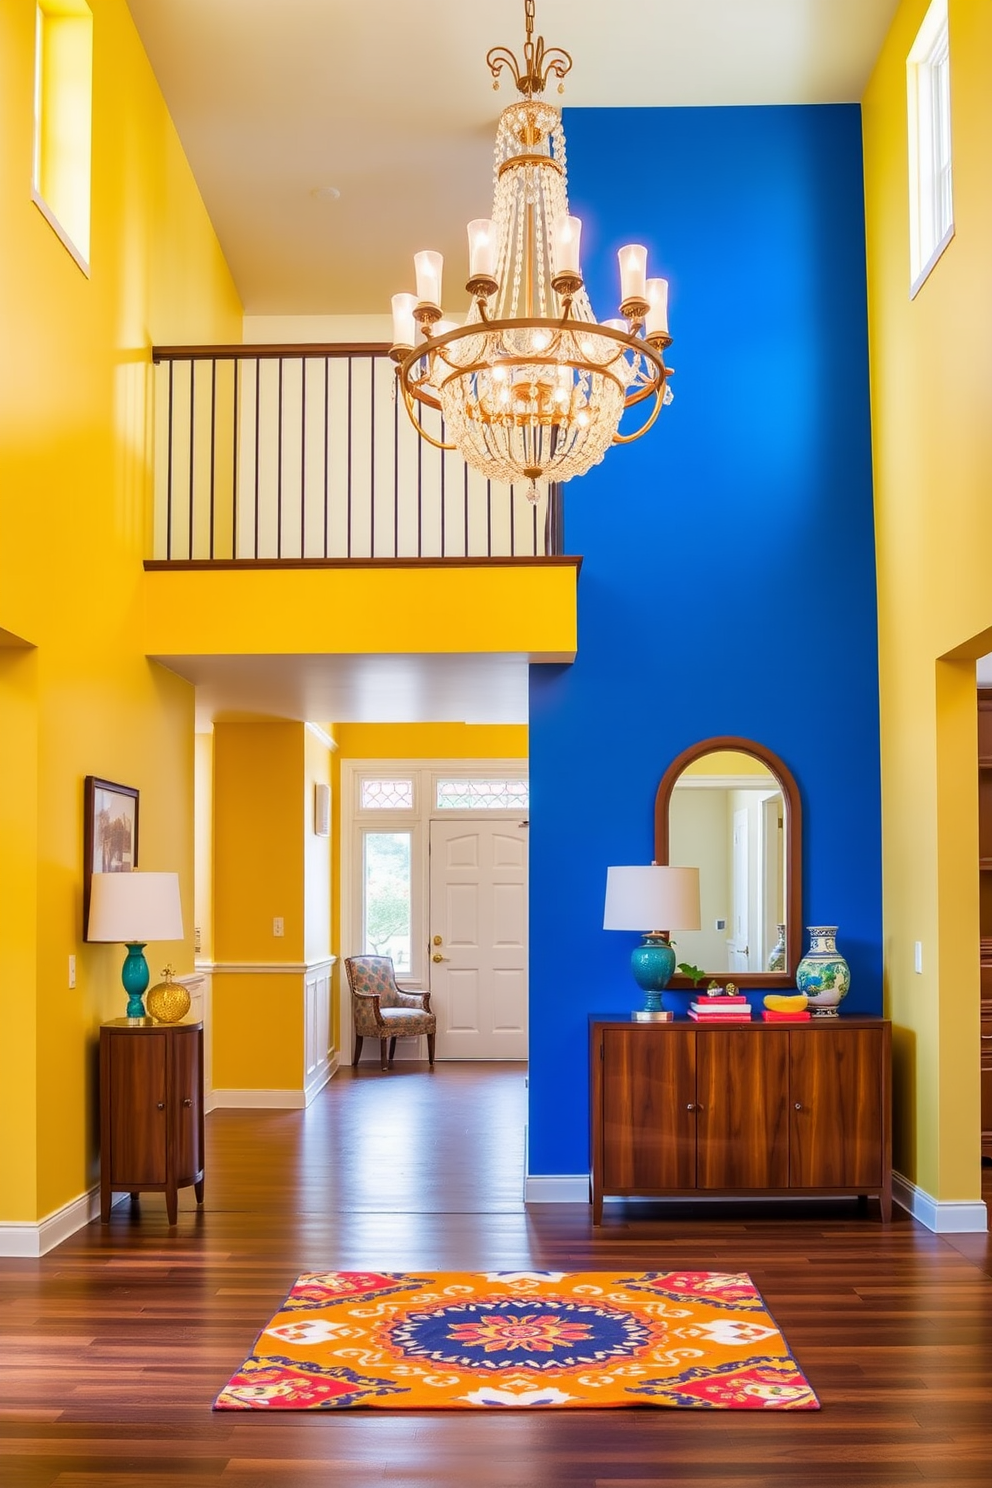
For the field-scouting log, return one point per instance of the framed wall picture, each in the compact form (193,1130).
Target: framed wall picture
(110,833)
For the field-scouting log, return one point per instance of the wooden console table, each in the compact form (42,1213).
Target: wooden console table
(681,1110)
(151,1111)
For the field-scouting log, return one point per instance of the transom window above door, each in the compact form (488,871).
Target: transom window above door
(481,795)
(379,794)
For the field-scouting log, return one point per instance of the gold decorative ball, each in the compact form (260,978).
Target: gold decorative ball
(166,1001)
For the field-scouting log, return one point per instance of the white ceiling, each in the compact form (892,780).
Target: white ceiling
(391,103)
(357,689)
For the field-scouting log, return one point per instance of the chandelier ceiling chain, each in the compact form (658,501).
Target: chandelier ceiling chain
(531,387)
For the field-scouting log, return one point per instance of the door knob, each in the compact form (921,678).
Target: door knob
(438,940)
(161,1105)
(799,1105)
(690,1106)
(187,1101)
(436,957)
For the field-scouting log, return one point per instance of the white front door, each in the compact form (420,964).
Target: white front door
(478,938)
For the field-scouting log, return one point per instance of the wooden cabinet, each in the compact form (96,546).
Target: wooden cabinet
(151,1111)
(679,1109)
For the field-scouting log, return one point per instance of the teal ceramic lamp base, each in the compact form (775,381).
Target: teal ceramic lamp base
(652,964)
(134,975)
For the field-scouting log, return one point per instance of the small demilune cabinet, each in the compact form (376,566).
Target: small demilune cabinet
(151,1111)
(748,1110)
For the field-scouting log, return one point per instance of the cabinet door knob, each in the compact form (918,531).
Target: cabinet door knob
(690,1106)
(187,1101)
(799,1105)
(161,1105)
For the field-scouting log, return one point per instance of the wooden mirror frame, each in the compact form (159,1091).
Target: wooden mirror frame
(793,853)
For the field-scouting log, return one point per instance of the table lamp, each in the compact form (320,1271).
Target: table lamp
(135,908)
(652,895)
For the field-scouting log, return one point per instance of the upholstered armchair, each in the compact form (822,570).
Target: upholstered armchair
(380,1010)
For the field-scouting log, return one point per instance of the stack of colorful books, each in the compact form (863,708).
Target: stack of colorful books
(720,1008)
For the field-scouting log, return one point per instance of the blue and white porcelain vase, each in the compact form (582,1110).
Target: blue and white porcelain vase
(776,957)
(823,974)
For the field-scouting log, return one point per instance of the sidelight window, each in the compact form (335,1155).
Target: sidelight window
(387,909)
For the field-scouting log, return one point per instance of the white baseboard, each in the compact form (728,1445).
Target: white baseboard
(33,1240)
(258,1100)
(318,1083)
(947,1217)
(557,1188)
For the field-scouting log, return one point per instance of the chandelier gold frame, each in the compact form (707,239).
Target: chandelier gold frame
(532,387)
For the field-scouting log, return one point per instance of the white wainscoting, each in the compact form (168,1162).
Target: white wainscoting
(199,986)
(318,1038)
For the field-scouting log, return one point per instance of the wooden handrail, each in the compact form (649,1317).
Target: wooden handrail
(263,350)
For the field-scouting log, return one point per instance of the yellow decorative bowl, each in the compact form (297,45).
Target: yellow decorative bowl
(796,1003)
(167,1002)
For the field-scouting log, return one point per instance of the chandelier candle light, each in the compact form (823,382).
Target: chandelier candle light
(652,895)
(532,387)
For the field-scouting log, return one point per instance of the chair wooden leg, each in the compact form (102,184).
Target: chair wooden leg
(384,1052)
(359,1041)
(430,1049)
(392,1050)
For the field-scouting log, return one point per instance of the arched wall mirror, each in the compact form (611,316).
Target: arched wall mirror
(730,808)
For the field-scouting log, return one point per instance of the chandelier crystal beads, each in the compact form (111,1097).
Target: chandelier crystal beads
(532,387)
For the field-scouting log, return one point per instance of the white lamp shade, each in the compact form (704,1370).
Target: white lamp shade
(135,907)
(652,898)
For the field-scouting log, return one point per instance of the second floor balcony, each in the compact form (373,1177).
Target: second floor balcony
(297,512)
(305,454)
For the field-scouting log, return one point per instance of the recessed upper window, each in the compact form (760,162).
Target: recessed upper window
(931,203)
(63,94)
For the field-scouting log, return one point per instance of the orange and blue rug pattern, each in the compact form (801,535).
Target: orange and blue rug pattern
(534,1339)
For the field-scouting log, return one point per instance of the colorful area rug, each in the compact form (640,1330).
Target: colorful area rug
(468,1340)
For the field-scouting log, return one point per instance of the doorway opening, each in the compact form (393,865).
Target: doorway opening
(434,874)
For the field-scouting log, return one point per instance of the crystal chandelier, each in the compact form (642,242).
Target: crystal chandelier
(532,387)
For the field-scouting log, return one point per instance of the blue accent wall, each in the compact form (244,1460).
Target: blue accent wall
(728,578)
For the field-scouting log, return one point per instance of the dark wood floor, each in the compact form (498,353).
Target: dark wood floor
(113,1346)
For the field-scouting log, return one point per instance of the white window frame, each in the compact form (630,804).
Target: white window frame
(930,158)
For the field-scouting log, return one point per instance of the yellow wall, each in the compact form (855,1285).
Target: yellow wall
(364,610)
(258,841)
(931,380)
(74,511)
(267,863)
(258,1032)
(430,740)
